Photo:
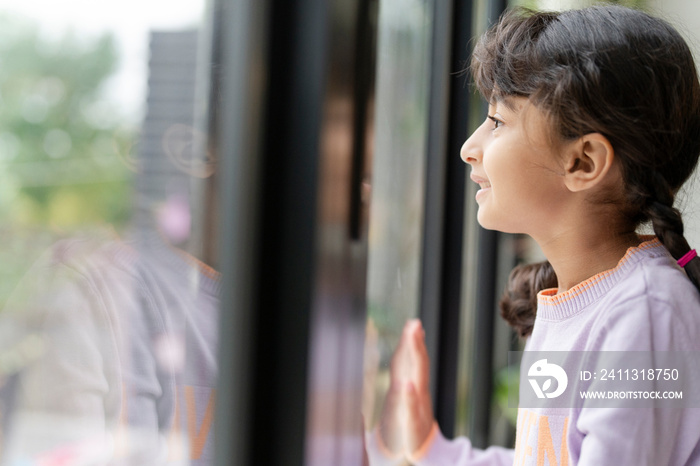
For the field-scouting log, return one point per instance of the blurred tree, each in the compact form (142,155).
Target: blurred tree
(63,145)
(61,142)
(632,3)
(565,4)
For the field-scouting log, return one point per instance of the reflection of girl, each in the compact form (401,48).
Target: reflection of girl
(593,126)
(124,366)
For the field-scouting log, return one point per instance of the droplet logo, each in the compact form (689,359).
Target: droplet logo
(541,369)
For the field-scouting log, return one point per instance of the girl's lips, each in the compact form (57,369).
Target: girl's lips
(479,180)
(482,191)
(483,183)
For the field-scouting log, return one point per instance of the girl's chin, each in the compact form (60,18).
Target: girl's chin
(488,222)
(485,220)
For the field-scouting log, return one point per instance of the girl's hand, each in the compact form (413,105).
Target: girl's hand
(407,417)
(365,456)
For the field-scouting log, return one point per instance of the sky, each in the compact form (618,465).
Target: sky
(129,20)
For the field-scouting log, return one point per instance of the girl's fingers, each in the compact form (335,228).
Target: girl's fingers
(420,360)
(419,418)
(402,361)
(407,415)
(390,424)
(365,457)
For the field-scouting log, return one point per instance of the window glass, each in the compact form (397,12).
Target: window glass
(109,289)
(396,212)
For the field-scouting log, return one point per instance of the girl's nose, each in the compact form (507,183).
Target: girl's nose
(471,151)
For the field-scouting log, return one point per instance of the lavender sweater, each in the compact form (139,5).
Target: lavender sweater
(127,371)
(644,304)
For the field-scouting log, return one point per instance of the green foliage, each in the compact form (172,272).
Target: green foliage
(507,381)
(61,142)
(565,4)
(531,4)
(631,3)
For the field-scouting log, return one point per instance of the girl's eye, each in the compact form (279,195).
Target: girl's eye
(496,122)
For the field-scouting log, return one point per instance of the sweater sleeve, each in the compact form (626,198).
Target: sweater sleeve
(378,454)
(439,451)
(460,452)
(649,434)
(67,394)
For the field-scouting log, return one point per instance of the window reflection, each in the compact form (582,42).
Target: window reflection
(108,331)
(396,213)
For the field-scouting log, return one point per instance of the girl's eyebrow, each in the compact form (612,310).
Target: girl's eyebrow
(507,101)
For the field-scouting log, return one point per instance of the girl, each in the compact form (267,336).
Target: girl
(593,126)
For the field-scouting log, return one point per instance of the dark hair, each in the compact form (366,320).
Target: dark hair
(519,301)
(610,70)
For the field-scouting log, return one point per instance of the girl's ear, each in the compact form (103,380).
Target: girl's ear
(588,162)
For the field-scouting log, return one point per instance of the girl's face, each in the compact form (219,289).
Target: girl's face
(514,162)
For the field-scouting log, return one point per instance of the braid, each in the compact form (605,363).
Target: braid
(668,225)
